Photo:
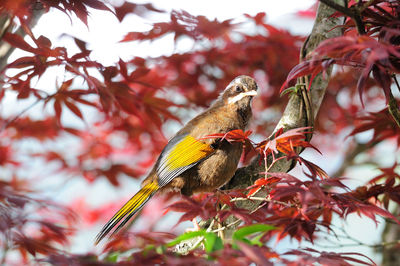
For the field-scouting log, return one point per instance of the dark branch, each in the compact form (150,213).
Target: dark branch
(342,9)
(394,109)
(353,13)
(397,83)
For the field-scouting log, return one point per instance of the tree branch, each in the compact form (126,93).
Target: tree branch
(353,13)
(350,155)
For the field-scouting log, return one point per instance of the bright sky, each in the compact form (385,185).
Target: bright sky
(105,32)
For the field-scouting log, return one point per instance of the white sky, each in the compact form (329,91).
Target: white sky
(105,31)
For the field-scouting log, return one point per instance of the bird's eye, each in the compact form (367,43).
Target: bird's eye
(238,89)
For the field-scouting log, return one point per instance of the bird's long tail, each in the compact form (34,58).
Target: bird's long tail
(130,208)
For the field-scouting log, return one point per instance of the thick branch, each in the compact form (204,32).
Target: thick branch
(296,114)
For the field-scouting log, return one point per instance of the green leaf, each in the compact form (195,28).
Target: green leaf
(212,242)
(161,249)
(113,257)
(289,91)
(292,90)
(186,236)
(240,234)
(255,241)
(148,248)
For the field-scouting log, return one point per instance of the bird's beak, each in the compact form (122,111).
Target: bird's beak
(241,96)
(250,93)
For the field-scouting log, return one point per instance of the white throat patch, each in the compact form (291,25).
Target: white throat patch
(241,96)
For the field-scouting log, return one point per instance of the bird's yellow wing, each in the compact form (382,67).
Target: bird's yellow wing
(181,153)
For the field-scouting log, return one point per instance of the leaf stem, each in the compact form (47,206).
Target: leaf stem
(7,123)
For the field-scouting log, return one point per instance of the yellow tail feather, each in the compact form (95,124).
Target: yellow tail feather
(129,209)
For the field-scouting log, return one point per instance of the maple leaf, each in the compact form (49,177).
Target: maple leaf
(133,8)
(233,136)
(381,123)
(285,142)
(306,257)
(365,52)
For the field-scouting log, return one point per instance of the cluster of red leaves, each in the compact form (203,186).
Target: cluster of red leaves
(158,251)
(184,24)
(306,257)
(382,188)
(296,208)
(200,74)
(376,51)
(382,123)
(23,9)
(299,209)
(31,226)
(285,142)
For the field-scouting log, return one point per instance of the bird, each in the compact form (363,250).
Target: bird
(191,162)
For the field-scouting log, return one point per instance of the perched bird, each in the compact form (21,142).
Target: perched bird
(191,163)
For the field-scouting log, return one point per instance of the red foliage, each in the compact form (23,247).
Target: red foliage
(382,123)
(285,142)
(135,98)
(327,258)
(26,234)
(375,52)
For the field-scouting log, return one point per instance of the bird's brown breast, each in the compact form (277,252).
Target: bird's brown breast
(219,167)
(211,173)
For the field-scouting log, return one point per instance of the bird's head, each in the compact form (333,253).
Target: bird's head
(240,92)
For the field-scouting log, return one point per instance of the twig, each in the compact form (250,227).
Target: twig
(264,199)
(7,123)
(397,83)
(356,243)
(394,109)
(351,154)
(380,245)
(237,220)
